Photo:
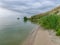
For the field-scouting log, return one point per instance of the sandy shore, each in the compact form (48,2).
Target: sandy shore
(39,36)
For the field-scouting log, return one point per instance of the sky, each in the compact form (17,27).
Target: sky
(27,7)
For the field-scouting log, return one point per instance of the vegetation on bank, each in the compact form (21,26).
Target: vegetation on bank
(53,11)
(49,20)
(25,19)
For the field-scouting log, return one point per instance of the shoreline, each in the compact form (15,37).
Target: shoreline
(39,36)
(31,37)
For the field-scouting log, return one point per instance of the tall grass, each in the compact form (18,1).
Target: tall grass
(51,22)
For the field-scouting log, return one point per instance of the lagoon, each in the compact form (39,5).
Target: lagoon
(12,30)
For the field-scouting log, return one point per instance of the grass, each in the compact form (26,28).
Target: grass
(58,33)
(51,22)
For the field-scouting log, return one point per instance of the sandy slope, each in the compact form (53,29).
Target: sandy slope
(39,37)
(42,38)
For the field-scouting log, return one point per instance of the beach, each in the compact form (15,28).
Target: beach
(39,36)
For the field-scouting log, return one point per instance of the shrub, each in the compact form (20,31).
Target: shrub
(49,21)
(25,19)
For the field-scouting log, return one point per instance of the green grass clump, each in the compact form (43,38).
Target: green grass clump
(58,33)
(51,22)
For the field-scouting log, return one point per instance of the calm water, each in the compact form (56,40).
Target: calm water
(13,31)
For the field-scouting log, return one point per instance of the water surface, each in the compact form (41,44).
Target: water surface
(13,31)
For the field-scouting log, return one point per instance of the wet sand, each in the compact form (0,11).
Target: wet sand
(39,36)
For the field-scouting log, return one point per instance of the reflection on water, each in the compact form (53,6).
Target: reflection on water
(25,20)
(13,31)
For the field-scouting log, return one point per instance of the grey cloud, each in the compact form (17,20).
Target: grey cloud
(29,6)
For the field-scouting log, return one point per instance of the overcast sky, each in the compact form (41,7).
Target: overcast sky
(28,7)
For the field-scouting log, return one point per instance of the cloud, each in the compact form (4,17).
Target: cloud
(29,7)
(6,12)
